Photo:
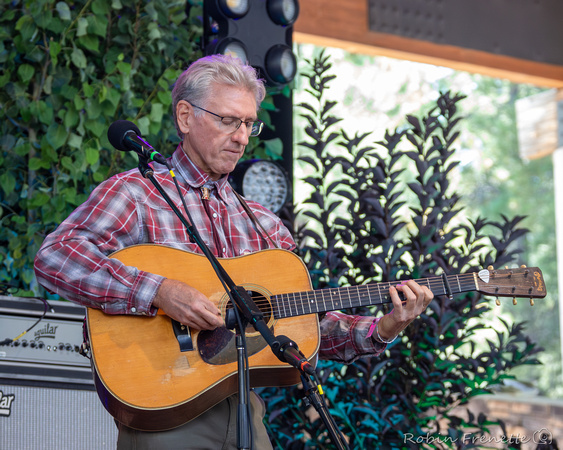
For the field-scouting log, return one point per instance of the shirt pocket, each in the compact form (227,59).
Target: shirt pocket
(162,226)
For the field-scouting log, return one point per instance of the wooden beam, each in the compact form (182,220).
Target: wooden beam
(344,24)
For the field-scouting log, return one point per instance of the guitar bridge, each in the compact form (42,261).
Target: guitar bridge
(182,333)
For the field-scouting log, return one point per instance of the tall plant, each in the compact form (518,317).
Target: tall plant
(385,213)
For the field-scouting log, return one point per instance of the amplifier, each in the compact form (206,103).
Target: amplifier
(47,395)
(49,352)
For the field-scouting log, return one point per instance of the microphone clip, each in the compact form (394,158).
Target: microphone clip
(287,351)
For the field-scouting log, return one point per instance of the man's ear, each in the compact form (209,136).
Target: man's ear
(183,113)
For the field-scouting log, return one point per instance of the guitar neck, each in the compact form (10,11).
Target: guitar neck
(331,299)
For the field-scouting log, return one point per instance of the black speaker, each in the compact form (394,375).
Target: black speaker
(44,418)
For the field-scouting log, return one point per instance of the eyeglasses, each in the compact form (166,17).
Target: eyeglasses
(253,128)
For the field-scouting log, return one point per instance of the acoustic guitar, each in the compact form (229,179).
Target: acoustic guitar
(151,373)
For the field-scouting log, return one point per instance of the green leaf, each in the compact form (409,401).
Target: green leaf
(78,58)
(93,108)
(88,90)
(164,98)
(8,15)
(56,25)
(74,141)
(7,182)
(100,7)
(43,18)
(274,148)
(79,102)
(98,25)
(71,118)
(56,136)
(4,78)
(96,127)
(114,96)
(25,72)
(63,10)
(26,27)
(154,31)
(48,85)
(38,163)
(22,148)
(98,177)
(45,112)
(66,161)
(92,155)
(82,27)
(143,123)
(124,67)
(89,42)
(156,113)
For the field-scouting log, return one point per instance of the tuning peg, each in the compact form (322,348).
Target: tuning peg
(531,302)
(490,268)
(506,267)
(514,301)
(523,266)
(497,301)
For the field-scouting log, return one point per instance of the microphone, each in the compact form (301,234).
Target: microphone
(125,136)
(287,351)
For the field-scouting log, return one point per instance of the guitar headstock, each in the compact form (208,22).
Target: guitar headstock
(522,282)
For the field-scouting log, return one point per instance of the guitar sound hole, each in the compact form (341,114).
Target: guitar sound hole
(263,304)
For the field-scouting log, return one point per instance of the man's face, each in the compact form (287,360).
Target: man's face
(211,145)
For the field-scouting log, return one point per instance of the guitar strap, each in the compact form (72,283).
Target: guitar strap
(255,220)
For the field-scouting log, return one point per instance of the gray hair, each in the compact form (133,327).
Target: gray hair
(194,84)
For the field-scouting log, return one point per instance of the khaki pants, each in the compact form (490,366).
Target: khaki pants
(215,429)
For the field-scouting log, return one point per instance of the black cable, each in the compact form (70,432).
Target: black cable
(47,307)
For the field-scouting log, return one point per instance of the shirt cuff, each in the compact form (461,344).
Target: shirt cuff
(345,338)
(139,300)
(143,293)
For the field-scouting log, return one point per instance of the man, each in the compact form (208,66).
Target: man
(215,103)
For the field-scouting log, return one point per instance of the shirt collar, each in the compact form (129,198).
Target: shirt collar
(193,175)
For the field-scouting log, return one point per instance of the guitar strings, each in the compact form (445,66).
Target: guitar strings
(299,303)
(362,295)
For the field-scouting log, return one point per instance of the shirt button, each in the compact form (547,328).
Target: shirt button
(214,215)
(133,309)
(224,250)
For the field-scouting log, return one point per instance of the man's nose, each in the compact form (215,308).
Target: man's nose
(241,135)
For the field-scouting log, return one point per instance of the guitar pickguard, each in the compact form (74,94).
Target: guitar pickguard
(219,346)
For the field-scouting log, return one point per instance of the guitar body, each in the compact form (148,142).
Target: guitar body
(144,379)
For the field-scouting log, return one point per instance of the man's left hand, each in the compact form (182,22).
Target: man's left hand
(416,300)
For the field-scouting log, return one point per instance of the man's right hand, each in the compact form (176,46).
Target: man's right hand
(187,305)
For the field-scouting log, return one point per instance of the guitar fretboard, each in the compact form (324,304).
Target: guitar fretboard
(331,299)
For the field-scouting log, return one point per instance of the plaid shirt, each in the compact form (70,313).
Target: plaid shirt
(127,209)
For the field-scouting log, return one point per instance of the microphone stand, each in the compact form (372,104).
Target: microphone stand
(285,349)
(315,398)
